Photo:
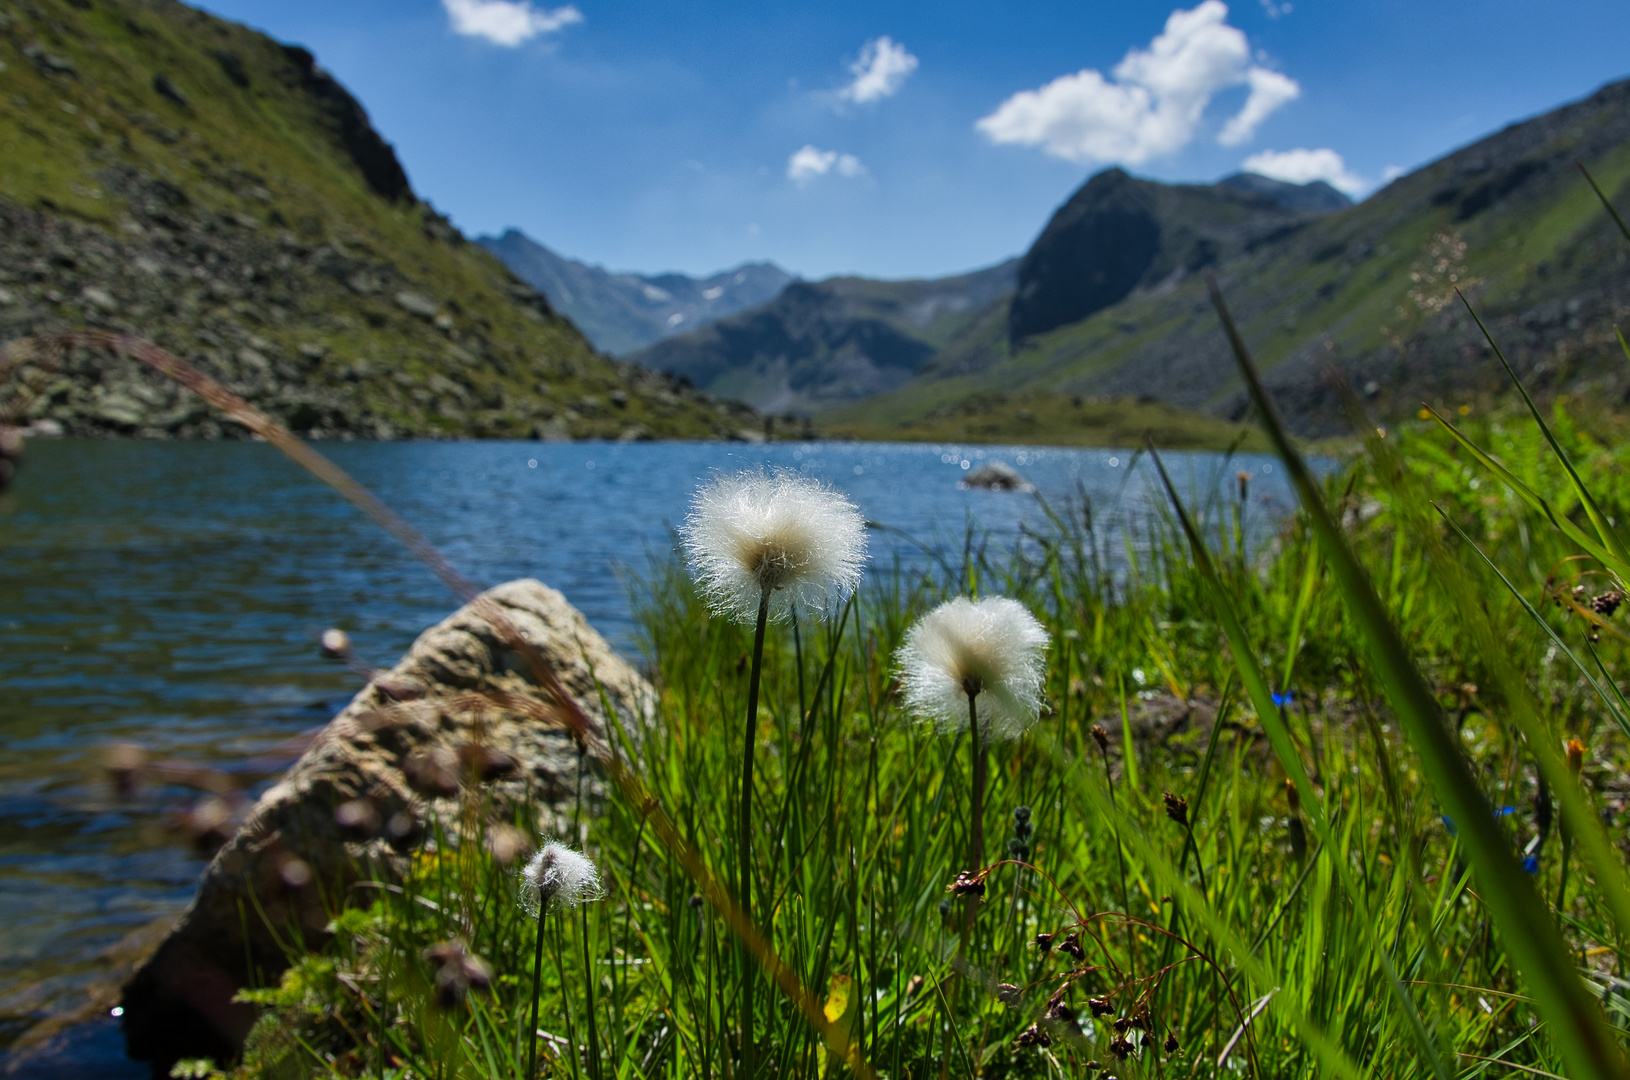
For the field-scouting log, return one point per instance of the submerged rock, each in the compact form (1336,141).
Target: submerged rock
(997,476)
(460,709)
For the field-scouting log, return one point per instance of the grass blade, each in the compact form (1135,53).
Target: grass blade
(1579,1029)
(1533,498)
(1608,536)
(1256,687)
(1594,186)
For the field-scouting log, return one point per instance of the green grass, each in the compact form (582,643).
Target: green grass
(1328,913)
(1051,419)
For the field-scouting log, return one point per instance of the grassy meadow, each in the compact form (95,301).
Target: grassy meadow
(1350,805)
(1206,920)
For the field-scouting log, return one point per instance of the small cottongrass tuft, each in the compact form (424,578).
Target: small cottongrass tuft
(778,533)
(559,877)
(993,649)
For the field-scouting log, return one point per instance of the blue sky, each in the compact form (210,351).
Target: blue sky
(896,140)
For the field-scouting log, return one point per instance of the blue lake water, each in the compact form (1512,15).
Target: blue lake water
(171,594)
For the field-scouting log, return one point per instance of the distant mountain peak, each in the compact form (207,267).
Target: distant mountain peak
(623,312)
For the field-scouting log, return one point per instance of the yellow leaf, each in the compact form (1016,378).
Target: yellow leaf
(838,998)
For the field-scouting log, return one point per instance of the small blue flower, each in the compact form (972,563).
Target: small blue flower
(1287,698)
(1505,811)
(1449,823)
(1530,864)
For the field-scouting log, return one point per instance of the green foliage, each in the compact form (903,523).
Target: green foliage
(1321,916)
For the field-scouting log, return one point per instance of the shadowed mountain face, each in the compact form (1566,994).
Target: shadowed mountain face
(1109,303)
(621,313)
(820,344)
(1118,233)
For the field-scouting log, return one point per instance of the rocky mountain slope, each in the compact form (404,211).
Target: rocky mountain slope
(827,343)
(1368,290)
(1118,234)
(822,346)
(177,176)
(621,313)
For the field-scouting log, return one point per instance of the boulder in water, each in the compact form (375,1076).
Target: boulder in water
(997,476)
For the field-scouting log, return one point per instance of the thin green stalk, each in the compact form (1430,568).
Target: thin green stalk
(537,975)
(745,836)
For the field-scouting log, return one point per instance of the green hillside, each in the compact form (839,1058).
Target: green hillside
(1368,290)
(174,175)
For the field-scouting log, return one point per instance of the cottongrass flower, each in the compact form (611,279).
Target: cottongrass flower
(761,544)
(556,877)
(976,666)
(773,537)
(990,650)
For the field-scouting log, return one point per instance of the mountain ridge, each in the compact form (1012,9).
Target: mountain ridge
(825,343)
(1368,291)
(622,313)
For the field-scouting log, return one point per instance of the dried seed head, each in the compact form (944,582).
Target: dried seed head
(1172,1046)
(1034,1036)
(1607,603)
(432,771)
(505,843)
(485,762)
(1292,796)
(1008,994)
(335,644)
(781,533)
(967,883)
(458,971)
(1072,945)
(1120,1048)
(1101,737)
(992,649)
(358,818)
(1177,808)
(1100,1006)
(558,876)
(1044,942)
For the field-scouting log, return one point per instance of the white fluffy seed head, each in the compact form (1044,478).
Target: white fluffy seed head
(993,647)
(791,535)
(559,877)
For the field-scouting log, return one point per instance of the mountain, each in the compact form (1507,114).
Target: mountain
(621,313)
(827,343)
(1112,302)
(1118,234)
(176,176)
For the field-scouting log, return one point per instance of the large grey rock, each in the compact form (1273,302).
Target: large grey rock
(402,758)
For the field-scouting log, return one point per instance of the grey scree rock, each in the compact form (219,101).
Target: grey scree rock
(400,757)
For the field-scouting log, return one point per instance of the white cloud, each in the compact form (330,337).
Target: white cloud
(1305,166)
(1273,10)
(1269,90)
(810,162)
(1391,173)
(507,22)
(1154,101)
(882,69)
